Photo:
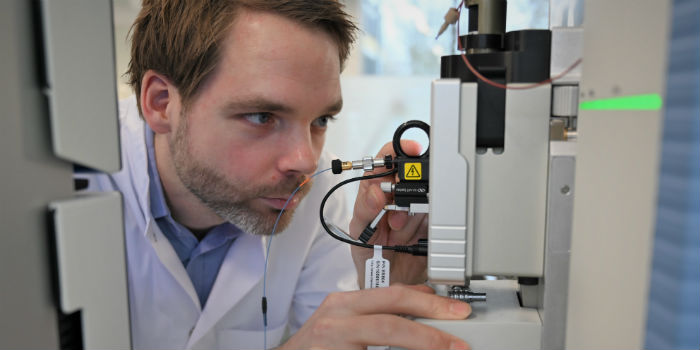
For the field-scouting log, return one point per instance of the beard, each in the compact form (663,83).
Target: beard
(232,201)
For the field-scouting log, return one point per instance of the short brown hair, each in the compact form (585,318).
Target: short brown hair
(181,39)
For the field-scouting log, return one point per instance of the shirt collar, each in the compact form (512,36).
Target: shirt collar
(159,208)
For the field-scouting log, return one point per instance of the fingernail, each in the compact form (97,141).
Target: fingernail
(460,308)
(459,345)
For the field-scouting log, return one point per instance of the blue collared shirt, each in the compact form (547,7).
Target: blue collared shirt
(202,259)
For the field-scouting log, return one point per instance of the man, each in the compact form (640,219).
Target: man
(232,103)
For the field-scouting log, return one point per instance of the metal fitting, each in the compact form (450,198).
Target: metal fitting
(413,209)
(366,164)
(387,187)
(465,294)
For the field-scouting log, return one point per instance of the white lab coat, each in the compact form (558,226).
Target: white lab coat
(305,265)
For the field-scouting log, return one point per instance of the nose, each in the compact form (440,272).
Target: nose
(299,154)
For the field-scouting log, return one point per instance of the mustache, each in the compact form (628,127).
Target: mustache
(285,187)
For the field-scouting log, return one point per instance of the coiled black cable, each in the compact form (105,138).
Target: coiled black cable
(420,249)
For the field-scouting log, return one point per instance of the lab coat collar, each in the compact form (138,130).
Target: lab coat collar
(242,269)
(134,125)
(170,260)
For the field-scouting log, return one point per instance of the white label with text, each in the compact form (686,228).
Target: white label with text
(377,270)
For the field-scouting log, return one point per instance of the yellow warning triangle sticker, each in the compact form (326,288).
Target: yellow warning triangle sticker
(412,171)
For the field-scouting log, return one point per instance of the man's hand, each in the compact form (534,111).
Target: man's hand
(354,320)
(396,228)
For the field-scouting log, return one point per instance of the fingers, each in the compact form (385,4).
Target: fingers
(370,201)
(418,287)
(397,219)
(397,331)
(398,299)
(401,221)
(352,320)
(374,202)
(410,147)
(406,230)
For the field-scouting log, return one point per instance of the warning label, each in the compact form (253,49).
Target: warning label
(412,171)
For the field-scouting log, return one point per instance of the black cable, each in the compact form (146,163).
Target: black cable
(416,249)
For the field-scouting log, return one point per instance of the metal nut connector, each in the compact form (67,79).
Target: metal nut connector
(368,163)
(387,187)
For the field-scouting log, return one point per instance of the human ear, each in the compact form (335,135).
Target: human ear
(158,95)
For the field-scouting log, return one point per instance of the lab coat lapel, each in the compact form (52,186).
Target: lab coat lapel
(169,258)
(134,126)
(241,270)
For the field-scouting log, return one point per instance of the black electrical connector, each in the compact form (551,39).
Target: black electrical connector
(336,166)
(418,249)
(264,310)
(388,162)
(367,233)
(422,249)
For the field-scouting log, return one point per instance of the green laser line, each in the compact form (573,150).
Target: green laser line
(644,102)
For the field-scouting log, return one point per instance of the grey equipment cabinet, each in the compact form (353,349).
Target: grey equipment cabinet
(62,261)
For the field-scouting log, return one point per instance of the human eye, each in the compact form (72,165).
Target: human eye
(261,118)
(322,122)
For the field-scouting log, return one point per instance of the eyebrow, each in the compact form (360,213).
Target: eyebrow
(258,104)
(263,104)
(336,107)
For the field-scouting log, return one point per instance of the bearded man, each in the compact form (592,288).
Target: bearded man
(232,102)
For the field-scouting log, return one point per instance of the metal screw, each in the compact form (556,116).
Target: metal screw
(565,190)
